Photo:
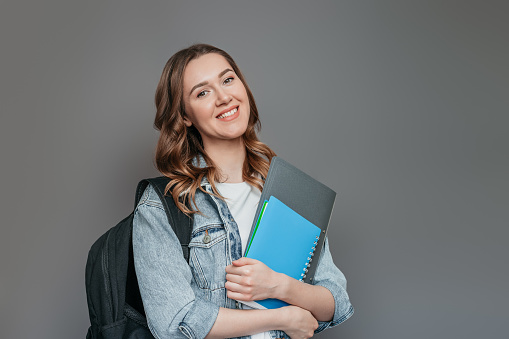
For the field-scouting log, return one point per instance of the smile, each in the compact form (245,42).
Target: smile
(227,114)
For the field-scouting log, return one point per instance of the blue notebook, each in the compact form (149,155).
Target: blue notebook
(285,242)
(302,193)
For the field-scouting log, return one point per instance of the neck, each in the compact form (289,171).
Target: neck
(228,157)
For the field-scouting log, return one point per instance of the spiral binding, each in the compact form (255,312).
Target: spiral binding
(310,259)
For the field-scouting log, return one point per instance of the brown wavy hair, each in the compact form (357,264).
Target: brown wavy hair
(179,145)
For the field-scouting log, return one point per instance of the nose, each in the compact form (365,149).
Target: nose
(223,97)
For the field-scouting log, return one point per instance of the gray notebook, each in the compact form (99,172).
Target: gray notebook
(302,193)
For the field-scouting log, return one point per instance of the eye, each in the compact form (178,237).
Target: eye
(228,80)
(201,94)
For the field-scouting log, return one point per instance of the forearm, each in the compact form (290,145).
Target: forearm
(316,299)
(326,300)
(249,279)
(235,323)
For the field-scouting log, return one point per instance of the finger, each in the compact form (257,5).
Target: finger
(245,270)
(233,287)
(245,261)
(234,278)
(246,282)
(230,269)
(239,296)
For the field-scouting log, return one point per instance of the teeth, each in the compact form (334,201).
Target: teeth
(227,114)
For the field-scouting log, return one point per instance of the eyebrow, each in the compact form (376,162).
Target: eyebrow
(206,82)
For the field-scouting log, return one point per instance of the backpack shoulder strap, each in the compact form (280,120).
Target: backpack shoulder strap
(181,224)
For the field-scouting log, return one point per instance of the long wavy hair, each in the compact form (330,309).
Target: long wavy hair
(179,146)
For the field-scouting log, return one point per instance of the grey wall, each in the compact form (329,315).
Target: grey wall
(400,106)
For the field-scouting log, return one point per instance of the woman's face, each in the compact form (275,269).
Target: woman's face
(215,99)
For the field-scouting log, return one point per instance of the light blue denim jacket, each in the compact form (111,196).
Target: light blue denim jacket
(182,300)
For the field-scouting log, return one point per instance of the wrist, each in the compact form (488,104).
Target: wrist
(282,287)
(281,317)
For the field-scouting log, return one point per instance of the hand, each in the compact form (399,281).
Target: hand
(298,322)
(249,279)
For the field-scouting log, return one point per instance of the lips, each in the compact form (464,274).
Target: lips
(228,113)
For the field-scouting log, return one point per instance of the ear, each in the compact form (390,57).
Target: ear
(187,122)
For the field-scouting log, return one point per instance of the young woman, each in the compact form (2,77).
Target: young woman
(209,149)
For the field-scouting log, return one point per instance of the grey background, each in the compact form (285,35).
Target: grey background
(399,106)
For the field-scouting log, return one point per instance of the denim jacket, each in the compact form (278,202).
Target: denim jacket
(182,300)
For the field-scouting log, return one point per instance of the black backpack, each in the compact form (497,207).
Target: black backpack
(113,296)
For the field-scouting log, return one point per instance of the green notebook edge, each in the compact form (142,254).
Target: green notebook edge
(256,227)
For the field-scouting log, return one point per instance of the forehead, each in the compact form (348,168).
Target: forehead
(204,68)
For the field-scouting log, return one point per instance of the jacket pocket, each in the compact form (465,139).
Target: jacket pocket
(208,256)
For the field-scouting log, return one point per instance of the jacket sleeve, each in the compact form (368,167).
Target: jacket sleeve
(165,277)
(330,277)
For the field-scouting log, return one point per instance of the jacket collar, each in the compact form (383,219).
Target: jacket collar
(198,161)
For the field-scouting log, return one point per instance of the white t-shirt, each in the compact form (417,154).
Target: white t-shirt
(242,200)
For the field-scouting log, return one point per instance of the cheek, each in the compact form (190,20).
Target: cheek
(199,110)
(244,94)
(248,109)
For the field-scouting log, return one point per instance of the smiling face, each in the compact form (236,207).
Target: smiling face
(215,100)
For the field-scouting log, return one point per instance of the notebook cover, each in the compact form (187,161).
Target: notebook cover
(283,241)
(305,195)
